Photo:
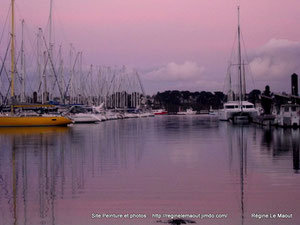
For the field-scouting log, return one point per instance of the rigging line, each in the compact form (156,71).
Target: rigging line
(7,93)
(112,80)
(68,85)
(60,70)
(230,58)
(29,37)
(53,23)
(247,59)
(33,54)
(233,47)
(2,34)
(52,66)
(60,25)
(16,65)
(6,53)
(227,75)
(44,71)
(6,73)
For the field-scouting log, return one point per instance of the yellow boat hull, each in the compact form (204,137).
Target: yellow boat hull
(33,121)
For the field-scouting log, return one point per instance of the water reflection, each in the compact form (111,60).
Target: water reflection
(31,160)
(281,142)
(237,139)
(39,166)
(172,164)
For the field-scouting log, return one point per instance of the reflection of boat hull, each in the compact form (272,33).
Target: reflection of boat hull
(33,121)
(241,119)
(237,117)
(33,130)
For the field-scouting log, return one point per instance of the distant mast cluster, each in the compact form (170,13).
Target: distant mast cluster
(53,80)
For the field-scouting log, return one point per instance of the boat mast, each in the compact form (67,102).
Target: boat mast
(12,51)
(71,74)
(240,60)
(39,63)
(50,26)
(81,92)
(45,94)
(50,43)
(91,80)
(22,65)
(142,89)
(60,72)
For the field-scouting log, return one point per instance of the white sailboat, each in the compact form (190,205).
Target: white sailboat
(81,115)
(238,109)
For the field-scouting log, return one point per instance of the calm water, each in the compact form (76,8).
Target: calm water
(164,165)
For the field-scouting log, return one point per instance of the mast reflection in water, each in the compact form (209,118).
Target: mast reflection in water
(171,164)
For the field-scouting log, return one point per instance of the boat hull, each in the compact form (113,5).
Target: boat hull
(34,121)
(161,113)
(85,118)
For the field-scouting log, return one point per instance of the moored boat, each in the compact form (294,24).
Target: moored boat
(288,116)
(79,114)
(159,112)
(237,109)
(187,112)
(33,121)
(85,118)
(21,119)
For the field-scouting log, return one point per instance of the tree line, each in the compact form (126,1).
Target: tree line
(175,101)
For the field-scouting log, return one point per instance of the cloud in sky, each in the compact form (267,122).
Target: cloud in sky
(276,60)
(271,64)
(176,72)
(188,75)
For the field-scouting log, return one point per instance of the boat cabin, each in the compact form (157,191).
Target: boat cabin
(288,115)
(236,105)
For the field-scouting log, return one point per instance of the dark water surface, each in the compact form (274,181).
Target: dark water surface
(187,165)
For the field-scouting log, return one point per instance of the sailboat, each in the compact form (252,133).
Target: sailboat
(12,119)
(238,110)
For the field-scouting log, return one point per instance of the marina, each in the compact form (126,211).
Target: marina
(157,165)
(117,112)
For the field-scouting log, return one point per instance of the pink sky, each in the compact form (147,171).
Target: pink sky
(151,34)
